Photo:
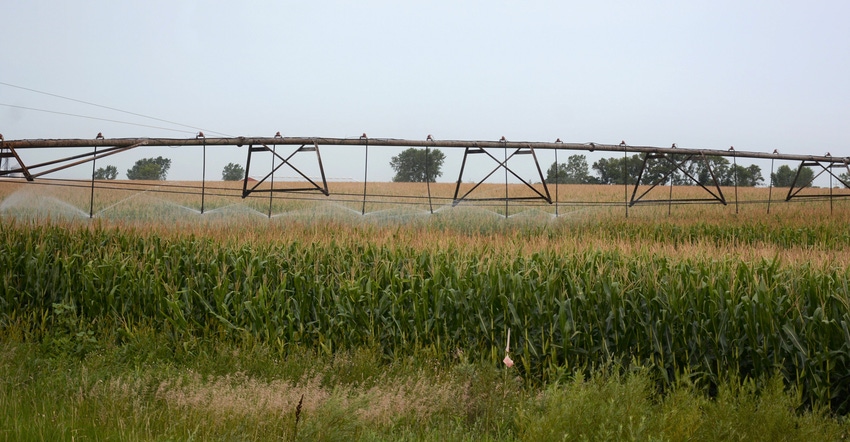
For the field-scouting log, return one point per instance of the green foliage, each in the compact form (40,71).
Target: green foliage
(612,170)
(784,176)
(748,176)
(725,173)
(680,169)
(154,169)
(208,396)
(232,172)
(616,170)
(711,317)
(418,165)
(574,171)
(109,395)
(71,334)
(629,408)
(596,409)
(106,173)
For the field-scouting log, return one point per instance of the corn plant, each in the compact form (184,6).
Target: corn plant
(570,309)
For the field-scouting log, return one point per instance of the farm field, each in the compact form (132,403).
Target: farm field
(302,318)
(134,201)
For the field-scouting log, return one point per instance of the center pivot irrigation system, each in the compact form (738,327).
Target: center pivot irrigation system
(674,158)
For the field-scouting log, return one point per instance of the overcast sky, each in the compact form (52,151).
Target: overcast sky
(759,75)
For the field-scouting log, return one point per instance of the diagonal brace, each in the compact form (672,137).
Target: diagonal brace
(501,164)
(285,161)
(797,186)
(677,165)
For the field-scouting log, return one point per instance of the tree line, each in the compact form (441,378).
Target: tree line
(417,165)
(156,169)
(421,165)
(622,170)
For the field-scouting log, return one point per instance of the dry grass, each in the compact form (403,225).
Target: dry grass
(415,398)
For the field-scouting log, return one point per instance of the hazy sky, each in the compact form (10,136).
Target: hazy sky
(759,75)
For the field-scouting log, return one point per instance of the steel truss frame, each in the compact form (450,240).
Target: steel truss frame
(527,150)
(826,167)
(284,161)
(103,147)
(676,165)
(29,173)
(9,152)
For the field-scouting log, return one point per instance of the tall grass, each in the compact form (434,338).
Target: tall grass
(254,394)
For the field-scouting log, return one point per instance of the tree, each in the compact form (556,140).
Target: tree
(747,176)
(845,177)
(557,174)
(661,170)
(610,170)
(727,174)
(149,169)
(106,173)
(574,171)
(784,176)
(704,168)
(232,172)
(418,165)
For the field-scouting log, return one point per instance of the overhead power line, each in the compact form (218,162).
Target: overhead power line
(105,107)
(95,118)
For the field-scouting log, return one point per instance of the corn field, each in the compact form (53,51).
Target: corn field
(671,297)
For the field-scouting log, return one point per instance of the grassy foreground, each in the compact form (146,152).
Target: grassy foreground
(249,393)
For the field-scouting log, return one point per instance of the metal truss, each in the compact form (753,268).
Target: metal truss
(284,162)
(825,167)
(716,194)
(30,172)
(9,152)
(677,159)
(523,150)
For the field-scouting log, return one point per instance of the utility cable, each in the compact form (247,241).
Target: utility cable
(109,108)
(95,118)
